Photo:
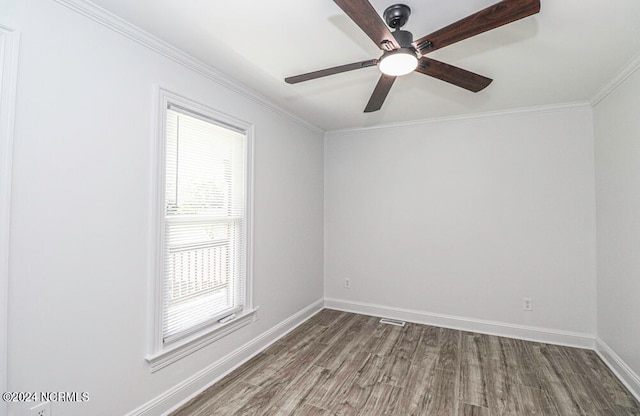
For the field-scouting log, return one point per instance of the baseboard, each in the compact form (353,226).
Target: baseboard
(624,373)
(528,333)
(194,385)
(166,402)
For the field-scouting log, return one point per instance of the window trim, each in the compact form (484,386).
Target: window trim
(163,354)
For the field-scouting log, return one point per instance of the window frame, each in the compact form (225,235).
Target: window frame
(162,353)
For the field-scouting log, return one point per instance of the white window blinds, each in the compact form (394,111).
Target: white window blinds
(205,223)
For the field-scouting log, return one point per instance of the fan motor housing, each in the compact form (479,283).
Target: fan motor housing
(403,37)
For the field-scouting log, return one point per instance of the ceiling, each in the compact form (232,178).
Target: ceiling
(564,54)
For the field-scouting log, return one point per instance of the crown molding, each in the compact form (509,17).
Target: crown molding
(621,76)
(553,108)
(123,27)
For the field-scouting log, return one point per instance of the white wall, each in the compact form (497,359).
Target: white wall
(79,287)
(461,218)
(465,218)
(617,149)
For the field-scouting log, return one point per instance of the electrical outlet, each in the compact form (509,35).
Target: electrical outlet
(347,283)
(42,409)
(527,304)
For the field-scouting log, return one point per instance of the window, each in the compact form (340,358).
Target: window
(203,269)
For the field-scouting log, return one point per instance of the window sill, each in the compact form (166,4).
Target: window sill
(173,353)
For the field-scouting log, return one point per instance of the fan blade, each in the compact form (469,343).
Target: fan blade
(499,14)
(452,74)
(366,17)
(380,93)
(330,71)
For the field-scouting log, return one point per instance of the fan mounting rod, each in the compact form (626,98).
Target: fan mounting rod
(402,55)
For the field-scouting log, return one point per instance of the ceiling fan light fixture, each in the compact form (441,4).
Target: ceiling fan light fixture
(398,62)
(400,56)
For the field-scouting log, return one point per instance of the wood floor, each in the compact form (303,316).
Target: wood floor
(340,363)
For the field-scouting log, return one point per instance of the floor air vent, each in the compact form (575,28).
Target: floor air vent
(392,322)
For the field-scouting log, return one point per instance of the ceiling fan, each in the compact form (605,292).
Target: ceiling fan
(402,55)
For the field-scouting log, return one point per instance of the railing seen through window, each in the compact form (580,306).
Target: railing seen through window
(204,222)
